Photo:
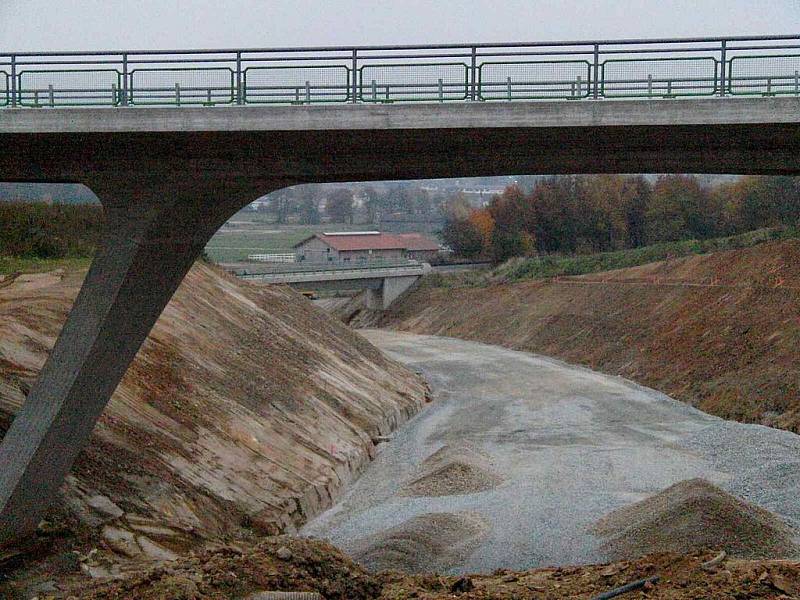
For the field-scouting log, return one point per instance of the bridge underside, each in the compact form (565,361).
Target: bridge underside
(169,178)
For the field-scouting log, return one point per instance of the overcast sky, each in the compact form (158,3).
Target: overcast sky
(166,24)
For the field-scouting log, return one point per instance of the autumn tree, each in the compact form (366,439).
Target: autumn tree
(463,237)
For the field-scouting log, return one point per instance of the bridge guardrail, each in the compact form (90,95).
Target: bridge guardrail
(278,276)
(580,70)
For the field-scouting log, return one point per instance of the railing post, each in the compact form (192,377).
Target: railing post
(308,92)
(13,81)
(580,86)
(596,93)
(239,92)
(354,100)
(52,95)
(650,85)
(124,98)
(797,83)
(723,67)
(474,74)
(374,91)
(508,84)
(441,90)
(177,94)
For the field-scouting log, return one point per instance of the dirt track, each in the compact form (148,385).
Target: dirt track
(559,446)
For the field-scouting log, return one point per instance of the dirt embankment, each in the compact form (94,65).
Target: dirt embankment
(246,406)
(719,331)
(282,564)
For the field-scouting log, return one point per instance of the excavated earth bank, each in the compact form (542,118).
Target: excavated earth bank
(246,410)
(719,331)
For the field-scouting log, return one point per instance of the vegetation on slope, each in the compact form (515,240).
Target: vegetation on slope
(543,267)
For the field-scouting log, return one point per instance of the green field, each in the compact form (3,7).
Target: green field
(256,236)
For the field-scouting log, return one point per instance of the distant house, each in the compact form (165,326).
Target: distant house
(364,246)
(418,247)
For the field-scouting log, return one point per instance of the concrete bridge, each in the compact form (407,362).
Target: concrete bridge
(383,284)
(168,177)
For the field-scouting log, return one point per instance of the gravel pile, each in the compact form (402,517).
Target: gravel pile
(429,542)
(694,515)
(453,470)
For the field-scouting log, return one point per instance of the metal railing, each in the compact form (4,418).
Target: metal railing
(649,69)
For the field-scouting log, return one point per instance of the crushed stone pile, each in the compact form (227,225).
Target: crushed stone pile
(429,542)
(693,515)
(453,470)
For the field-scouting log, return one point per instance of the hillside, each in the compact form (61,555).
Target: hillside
(246,406)
(719,331)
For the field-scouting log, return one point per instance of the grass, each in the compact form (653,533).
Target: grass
(543,267)
(15,264)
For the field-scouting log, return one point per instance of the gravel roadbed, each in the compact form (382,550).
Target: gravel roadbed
(563,446)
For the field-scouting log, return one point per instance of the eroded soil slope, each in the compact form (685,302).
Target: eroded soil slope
(245,406)
(720,331)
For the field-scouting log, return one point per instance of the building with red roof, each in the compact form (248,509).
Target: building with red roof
(364,246)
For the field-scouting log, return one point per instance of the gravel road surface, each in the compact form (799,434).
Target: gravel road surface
(561,446)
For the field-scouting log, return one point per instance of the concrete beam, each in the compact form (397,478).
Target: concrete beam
(366,117)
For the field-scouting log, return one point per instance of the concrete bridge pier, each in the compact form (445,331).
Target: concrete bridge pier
(391,289)
(154,234)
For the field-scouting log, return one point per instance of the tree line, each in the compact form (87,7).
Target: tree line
(580,214)
(311,204)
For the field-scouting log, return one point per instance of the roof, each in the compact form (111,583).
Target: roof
(358,241)
(417,241)
(371,240)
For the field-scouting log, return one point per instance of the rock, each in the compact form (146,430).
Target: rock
(153,550)
(121,541)
(46,587)
(461,585)
(284,553)
(104,506)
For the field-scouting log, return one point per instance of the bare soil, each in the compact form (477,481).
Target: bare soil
(232,572)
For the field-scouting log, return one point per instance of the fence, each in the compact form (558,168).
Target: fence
(644,69)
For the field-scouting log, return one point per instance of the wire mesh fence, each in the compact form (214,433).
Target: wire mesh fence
(659,77)
(296,84)
(414,82)
(72,87)
(765,75)
(204,85)
(534,80)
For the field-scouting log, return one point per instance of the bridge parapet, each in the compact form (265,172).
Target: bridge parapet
(595,69)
